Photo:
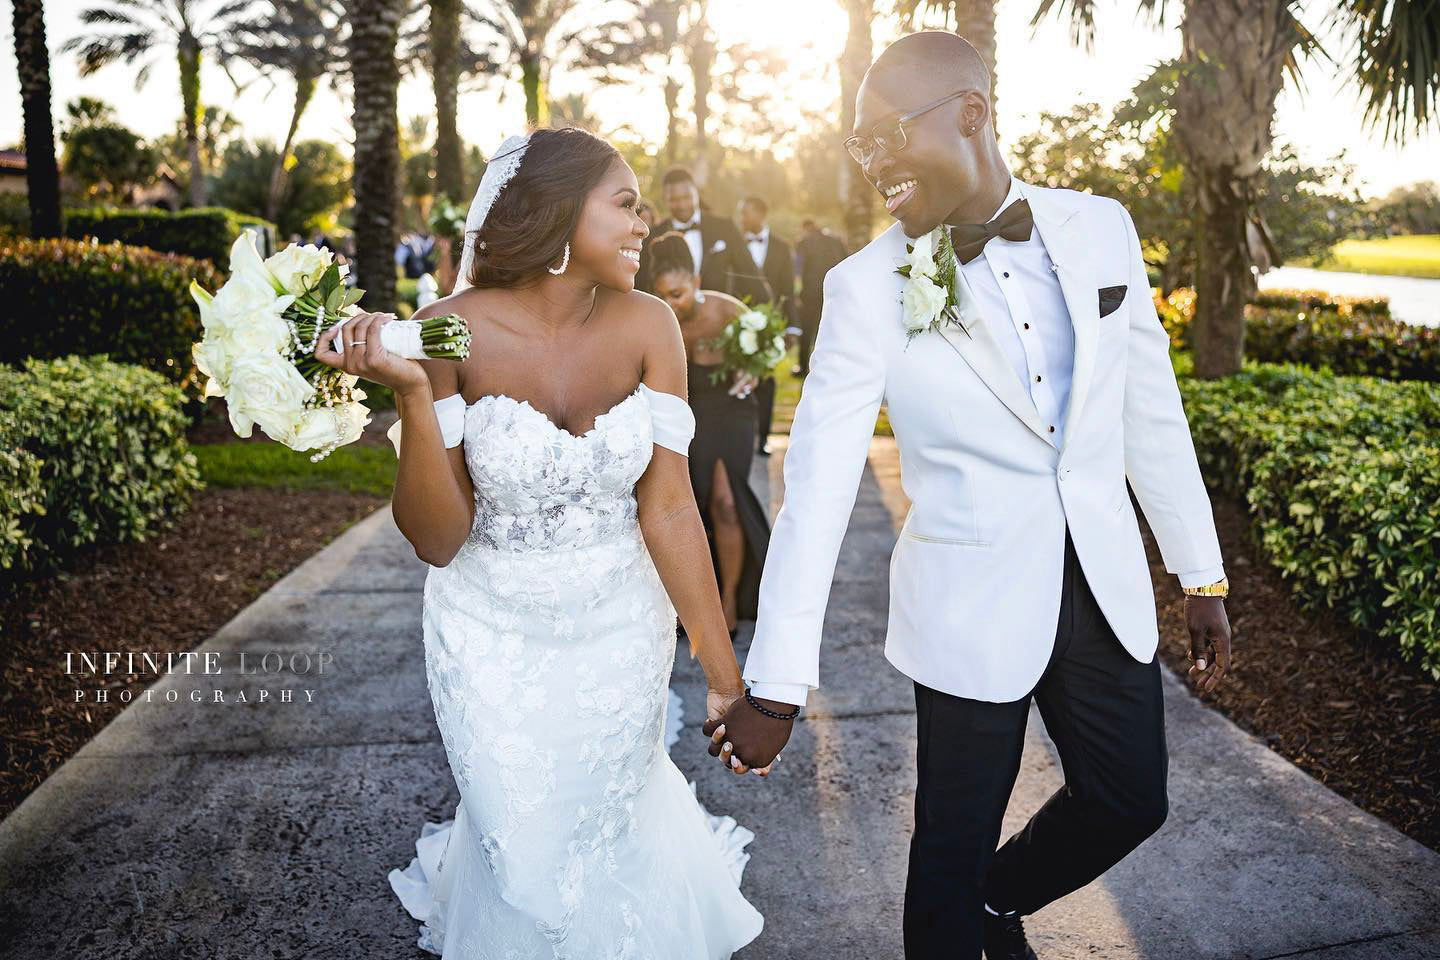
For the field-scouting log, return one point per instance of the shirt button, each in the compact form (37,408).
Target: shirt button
(1037,378)
(1027,326)
(1052,428)
(1006,273)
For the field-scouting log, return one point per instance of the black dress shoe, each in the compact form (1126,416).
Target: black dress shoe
(763,449)
(1005,938)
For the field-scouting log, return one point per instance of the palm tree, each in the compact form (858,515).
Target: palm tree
(445,78)
(1235,55)
(301,39)
(534,35)
(973,19)
(859,46)
(374,32)
(131,30)
(32,61)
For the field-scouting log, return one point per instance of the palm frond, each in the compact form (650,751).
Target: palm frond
(1081,14)
(1396,61)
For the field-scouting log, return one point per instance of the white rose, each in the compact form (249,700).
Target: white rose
(326,426)
(299,266)
(753,320)
(749,343)
(213,360)
(923,300)
(265,388)
(922,258)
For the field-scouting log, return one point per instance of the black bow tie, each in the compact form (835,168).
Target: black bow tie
(754,237)
(686,227)
(1013,223)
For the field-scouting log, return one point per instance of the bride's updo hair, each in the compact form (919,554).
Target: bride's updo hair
(535,215)
(669,253)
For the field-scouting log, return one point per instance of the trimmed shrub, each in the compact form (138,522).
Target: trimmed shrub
(1345,335)
(1342,479)
(113,462)
(21,493)
(204,233)
(14,215)
(75,296)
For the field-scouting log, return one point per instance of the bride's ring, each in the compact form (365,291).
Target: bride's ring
(357,343)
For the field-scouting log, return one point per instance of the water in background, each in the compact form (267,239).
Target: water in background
(1412,299)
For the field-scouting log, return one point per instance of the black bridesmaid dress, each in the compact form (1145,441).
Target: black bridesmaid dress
(725,430)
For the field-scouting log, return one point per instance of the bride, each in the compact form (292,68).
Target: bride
(544,481)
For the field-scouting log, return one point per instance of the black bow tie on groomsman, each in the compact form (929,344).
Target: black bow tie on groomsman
(687,227)
(1014,223)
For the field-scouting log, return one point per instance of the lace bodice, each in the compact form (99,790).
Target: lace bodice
(540,487)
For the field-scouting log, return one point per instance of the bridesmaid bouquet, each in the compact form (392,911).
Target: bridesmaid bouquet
(753,343)
(258,351)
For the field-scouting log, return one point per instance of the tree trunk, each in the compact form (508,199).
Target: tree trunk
(702,60)
(189,56)
(975,21)
(1232,58)
(304,90)
(672,120)
(42,176)
(859,200)
(375,27)
(532,74)
(445,77)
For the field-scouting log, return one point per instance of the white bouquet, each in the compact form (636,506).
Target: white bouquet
(753,343)
(258,350)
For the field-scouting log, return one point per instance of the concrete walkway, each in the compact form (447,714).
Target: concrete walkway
(265,829)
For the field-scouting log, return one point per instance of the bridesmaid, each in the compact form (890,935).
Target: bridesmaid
(726,417)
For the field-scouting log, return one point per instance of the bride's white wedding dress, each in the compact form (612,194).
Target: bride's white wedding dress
(549,641)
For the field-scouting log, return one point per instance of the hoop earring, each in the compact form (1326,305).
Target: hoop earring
(564,261)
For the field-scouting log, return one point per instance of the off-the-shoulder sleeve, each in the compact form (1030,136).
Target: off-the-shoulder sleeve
(450,412)
(672,420)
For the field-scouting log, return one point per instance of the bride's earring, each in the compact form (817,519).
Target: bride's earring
(564,261)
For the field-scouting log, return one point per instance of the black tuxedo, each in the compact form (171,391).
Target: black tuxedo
(725,264)
(779,273)
(817,252)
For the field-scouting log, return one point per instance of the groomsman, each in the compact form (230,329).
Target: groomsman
(714,241)
(817,251)
(776,263)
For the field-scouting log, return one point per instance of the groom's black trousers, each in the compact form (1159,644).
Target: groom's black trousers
(1103,709)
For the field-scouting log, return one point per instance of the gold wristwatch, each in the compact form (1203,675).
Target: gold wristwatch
(1220,588)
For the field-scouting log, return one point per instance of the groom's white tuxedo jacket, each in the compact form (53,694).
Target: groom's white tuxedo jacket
(975,578)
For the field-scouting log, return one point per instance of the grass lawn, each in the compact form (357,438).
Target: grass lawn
(357,468)
(1417,256)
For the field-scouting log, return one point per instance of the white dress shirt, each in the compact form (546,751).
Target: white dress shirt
(1020,296)
(694,241)
(759,245)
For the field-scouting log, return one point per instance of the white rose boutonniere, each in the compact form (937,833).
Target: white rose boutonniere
(933,295)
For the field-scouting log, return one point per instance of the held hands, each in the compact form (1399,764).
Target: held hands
(366,357)
(1209,652)
(745,739)
(743,386)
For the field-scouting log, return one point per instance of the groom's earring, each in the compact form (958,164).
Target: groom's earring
(564,261)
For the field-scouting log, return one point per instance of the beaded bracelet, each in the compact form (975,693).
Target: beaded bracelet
(768,712)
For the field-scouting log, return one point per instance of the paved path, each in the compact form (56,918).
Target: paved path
(266,830)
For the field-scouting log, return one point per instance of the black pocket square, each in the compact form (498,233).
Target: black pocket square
(1111,298)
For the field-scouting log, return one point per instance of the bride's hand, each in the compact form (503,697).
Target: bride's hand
(718,702)
(365,356)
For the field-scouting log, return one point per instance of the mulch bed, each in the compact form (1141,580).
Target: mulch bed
(170,593)
(1342,706)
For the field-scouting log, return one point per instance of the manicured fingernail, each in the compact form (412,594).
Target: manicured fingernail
(728,746)
(720,729)
(735,763)
(1200,664)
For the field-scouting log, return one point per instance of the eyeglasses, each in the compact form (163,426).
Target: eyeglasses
(891,134)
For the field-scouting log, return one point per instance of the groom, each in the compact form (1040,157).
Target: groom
(1020,570)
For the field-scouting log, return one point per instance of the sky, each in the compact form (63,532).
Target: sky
(1038,70)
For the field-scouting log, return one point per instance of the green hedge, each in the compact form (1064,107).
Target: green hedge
(76,296)
(1345,335)
(14,215)
(113,462)
(1342,478)
(204,233)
